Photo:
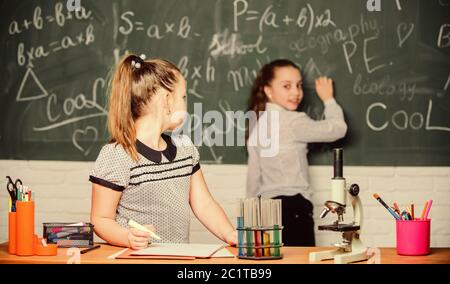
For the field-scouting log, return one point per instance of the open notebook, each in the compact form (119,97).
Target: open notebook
(178,251)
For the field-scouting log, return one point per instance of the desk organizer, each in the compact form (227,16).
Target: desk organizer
(413,237)
(24,228)
(66,235)
(21,238)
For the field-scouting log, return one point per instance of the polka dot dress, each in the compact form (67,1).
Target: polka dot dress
(155,190)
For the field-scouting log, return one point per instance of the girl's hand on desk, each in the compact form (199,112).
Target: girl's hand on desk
(231,238)
(138,239)
(324,88)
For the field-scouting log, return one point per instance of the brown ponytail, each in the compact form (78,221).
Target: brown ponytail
(132,87)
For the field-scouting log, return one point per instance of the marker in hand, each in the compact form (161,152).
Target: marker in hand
(138,226)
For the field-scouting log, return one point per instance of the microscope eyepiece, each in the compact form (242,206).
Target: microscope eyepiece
(338,162)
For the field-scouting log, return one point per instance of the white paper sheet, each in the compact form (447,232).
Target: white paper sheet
(196,250)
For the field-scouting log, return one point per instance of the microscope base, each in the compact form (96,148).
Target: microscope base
(358,253)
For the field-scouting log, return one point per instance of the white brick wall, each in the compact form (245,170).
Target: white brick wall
(63,195)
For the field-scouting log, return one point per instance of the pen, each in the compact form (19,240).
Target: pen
(428,209)
(412,211)
(377,197)
(27,193)
(424,211)
(138,226)
(19,194)
(397,209)
(89,249)
(408,210)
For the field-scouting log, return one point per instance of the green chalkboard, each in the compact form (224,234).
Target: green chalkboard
(391,70)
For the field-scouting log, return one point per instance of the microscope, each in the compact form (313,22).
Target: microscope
(350,248)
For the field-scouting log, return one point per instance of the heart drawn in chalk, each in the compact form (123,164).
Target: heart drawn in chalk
(404,31)
(84,140)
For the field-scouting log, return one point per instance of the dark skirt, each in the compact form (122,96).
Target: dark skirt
(297,220)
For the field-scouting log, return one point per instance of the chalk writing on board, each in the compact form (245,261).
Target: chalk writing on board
(402,120)
(27,55)
(156,31)
(444,36)
(38,22)
(70,108)
(90,134)
(40,93)
(404,31)
(326,40)
(307,18)
(231,44)
(389,78)
(384,88)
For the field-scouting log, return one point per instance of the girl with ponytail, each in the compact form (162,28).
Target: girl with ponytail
(143,174)
(277,93)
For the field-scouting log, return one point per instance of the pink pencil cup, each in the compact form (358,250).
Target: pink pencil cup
(413,237)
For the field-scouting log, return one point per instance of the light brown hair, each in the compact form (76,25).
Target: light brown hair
(133,84)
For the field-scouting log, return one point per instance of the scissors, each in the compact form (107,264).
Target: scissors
(13,187)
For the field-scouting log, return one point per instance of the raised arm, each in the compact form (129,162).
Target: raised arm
(332,128)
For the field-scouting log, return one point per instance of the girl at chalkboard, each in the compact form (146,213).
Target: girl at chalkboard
(146,175)
(277,92)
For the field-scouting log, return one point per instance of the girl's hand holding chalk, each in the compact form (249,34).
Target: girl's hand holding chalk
(324,88)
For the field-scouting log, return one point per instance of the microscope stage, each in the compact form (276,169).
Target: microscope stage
(339,227)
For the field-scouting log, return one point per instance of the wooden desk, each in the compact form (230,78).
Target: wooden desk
(292,255)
